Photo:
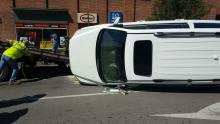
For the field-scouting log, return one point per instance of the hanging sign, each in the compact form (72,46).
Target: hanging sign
(114,15)
(87,17)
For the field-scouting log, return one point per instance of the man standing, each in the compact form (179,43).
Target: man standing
(10,55)
(54,41)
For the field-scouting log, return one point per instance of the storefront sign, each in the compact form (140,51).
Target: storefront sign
(87,17)
(42,25)
(54,26)
(63,26)
(114,15)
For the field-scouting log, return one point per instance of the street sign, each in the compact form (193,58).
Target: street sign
(114,15)
(87,17)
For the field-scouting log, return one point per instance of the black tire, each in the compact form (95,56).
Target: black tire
(62,65)
(4,75)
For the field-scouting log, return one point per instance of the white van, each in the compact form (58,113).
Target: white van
(178,51)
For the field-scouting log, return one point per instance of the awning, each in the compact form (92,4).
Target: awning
(42,16)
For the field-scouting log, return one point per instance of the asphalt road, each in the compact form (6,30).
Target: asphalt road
(51,95)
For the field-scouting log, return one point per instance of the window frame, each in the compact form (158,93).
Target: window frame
(149,61)
(98,55)
(199,25)
(158,26)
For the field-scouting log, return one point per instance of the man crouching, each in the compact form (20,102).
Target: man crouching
(16,50)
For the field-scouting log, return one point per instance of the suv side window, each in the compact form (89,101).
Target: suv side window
(143,58)
(207,25)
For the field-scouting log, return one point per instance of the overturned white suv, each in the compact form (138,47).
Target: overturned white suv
(178,51)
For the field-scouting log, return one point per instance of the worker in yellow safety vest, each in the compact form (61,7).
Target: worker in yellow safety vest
(16,50)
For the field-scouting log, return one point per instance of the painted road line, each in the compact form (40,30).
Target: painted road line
(83,95)
(38,97)
(74,96)
(211,112)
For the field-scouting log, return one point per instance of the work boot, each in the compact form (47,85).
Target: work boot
(14,82)
(11,82)
(17,82)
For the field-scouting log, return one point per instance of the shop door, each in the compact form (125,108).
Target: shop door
(35,37)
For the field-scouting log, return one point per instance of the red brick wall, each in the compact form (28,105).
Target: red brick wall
(94,6)
(121,6)
(101,9)
(142,12)
(143,9)
(71,6)
(7,27)
(0,31)
(129,10)
(124,6)
(30,3)
(215,10)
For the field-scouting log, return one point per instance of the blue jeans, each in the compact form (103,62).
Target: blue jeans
(12,63)
(54,46)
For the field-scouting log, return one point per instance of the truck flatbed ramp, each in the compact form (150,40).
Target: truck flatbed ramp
(47,55)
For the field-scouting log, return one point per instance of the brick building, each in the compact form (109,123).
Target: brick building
(39,18)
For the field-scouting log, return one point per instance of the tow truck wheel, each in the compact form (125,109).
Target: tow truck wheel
(4,75)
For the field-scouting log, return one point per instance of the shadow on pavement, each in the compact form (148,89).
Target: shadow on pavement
(177,88)
(44,72)
(8,118)
(27,99)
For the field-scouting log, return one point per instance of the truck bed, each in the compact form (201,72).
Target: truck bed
(47,55)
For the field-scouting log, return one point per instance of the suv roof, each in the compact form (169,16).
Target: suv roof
(169,26)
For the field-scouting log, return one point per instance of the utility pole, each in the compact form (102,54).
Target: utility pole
(134,10)
(47,4)
(107,2)
(14,3)
(78,9)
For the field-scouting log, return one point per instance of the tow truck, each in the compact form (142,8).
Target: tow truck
(37,55)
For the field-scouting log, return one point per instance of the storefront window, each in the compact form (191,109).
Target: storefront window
(41,36)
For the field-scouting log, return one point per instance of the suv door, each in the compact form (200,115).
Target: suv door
(139,58)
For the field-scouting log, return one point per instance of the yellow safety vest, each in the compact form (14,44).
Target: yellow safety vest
(17,50)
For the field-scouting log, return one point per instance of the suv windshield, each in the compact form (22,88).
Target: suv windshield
(110,55)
